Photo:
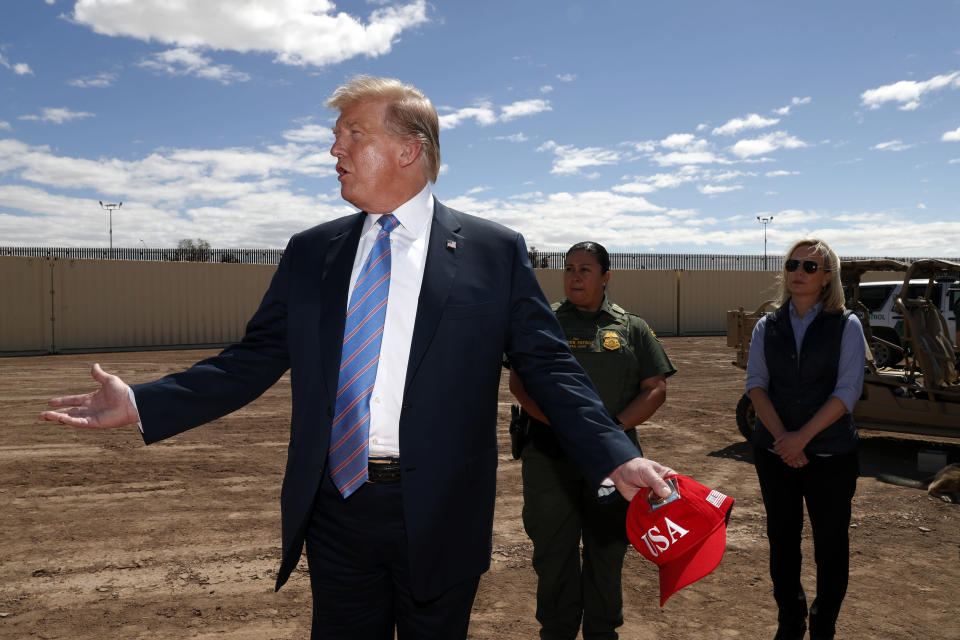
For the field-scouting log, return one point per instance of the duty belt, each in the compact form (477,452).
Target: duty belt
(383,470)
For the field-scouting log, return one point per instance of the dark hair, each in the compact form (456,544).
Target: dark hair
(596,249)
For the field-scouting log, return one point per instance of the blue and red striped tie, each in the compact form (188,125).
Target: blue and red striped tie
(349,437)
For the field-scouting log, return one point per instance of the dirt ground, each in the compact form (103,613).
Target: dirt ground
(103,537)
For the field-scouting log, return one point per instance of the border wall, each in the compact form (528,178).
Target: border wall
(53,305)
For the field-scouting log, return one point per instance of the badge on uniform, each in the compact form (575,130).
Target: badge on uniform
(611,340)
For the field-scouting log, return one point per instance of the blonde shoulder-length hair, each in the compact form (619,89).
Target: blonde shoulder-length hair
(832,294)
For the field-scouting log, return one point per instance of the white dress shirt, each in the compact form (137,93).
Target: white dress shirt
(408,256)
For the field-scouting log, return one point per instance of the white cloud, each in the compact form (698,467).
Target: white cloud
(569,160)
(475,190)
(645,146)
(766,144)
(649,184)
(953,161)
(566,77)
(686,149)
(309,133)
(169,175)
(97,81)
(951,136)
(684,142)
(5,126)
(781,172)
(793,217)
(553,222)
(515,137)
(891,145)
(713,189)
(546,88)
(19,68)
(297,32)
(688,157)
(187,62)
(720,176)
(58,115)
(785,111)
(524,108)
(736,125)
(908,92)
(232,196)
(485,113)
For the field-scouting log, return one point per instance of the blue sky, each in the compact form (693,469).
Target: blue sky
(647,126)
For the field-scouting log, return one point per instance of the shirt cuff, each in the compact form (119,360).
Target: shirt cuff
(606,488)
(133,401)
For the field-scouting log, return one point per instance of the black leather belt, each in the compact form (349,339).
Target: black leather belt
(383,470)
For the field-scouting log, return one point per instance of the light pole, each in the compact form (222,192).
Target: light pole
(765,220)
(110,206)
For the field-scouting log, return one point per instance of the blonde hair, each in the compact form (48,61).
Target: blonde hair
(832,294)
(410,114)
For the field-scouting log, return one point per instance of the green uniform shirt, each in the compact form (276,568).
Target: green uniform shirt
(617,349)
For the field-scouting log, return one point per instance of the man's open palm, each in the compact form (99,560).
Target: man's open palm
(106,408)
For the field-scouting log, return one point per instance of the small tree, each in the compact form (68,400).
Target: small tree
(189,250)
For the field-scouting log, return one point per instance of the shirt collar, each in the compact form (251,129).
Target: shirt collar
(812,313)
(413,215)
(588,315)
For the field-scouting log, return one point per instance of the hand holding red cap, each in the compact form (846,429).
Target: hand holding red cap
(684,534)
(640,473)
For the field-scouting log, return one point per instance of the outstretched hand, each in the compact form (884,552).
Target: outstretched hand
(105,408)
(633,475)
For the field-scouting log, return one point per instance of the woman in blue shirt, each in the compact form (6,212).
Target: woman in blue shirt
(804,377)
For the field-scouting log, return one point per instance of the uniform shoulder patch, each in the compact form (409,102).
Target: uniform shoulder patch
(615,307)
(556,305)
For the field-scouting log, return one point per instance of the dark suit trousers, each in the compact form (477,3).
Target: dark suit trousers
(359,575)
(827,484)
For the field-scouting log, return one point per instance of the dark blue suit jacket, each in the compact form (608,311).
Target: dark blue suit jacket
(479,300)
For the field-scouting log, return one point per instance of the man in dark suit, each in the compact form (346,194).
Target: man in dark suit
(391,468)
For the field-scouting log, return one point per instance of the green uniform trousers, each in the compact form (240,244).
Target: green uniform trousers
(560,510)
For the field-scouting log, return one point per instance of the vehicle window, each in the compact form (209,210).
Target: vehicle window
(917,290)
(954,296)
(874,297)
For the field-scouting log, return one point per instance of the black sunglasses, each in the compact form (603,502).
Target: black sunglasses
(808,265)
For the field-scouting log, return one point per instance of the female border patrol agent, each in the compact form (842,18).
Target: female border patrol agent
(629,368)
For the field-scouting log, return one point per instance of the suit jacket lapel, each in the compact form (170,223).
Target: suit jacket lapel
(443,251)
(341,250)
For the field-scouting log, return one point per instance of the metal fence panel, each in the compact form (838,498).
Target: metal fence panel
(24,305)
(540,259)
(108,305)
(705,297)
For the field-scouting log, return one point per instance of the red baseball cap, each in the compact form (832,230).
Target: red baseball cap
(684,534)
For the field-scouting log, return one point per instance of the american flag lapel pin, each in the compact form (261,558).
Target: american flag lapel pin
(451,244)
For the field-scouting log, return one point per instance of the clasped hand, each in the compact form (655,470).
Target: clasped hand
(789,447)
